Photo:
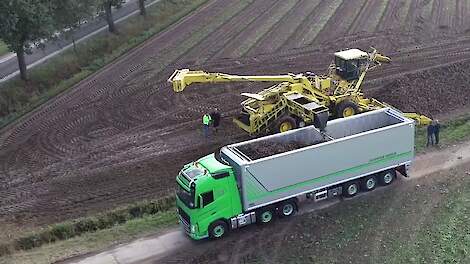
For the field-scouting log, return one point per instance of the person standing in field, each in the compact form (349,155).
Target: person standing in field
(206,121)
(437,127)
(215,117)
(431,134)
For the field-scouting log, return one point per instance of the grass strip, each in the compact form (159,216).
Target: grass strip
(70,229)
(96,241)
(445,237)
(452,132)
(3,48)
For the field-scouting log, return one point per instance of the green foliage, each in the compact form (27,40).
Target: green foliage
(24,21)
(66,230)
(93,241)
(115,3)
(3,48)
(69,14)
(58,74)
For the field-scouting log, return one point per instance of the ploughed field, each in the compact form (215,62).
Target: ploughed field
(122,135)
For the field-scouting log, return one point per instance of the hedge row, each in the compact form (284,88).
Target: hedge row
(77,227)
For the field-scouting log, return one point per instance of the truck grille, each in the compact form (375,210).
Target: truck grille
(184,217)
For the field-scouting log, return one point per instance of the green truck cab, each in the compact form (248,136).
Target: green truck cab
(207,197)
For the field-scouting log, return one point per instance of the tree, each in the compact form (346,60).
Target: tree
(106,6)
(142,7)
(23,22)
(70,14)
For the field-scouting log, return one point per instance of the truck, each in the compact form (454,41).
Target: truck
(257,180)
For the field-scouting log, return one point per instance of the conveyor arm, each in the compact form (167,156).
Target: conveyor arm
(185,77)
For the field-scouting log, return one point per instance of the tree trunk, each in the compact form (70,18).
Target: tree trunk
(22,63)
(142,7)
(109,17)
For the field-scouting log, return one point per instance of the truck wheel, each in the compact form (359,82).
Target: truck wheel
(265,216)
(369,183)
(287,209)
(350,189)
(285,123)
(218,229)
(346,108)
(387,177)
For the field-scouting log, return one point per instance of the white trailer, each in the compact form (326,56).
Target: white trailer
(352,154)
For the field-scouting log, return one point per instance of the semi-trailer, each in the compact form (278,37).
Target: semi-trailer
(256,180)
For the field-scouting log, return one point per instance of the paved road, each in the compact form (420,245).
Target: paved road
(9,65)
(152,249)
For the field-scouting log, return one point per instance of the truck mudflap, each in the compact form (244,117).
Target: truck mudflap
(403,169)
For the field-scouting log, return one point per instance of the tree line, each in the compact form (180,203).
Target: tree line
(24,22)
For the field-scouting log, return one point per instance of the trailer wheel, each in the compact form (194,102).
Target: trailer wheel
(287,208)
(218,229)
(265,216)
(285,123)
(346,108)
(369,183)
(350,189)
(387,177)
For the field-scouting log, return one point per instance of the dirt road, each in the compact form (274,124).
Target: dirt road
(174,246)
(122,134)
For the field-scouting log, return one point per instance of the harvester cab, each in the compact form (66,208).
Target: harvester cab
(350,63)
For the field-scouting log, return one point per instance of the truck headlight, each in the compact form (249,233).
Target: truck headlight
(193,228)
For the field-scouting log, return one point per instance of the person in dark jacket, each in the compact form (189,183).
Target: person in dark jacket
(437,127)
(215,116)
(430,131)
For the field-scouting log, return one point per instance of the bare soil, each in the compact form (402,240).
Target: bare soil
(122,134)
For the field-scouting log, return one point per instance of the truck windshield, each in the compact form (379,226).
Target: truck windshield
(186,197)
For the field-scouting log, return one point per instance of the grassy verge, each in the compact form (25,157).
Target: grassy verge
(445,238)
(451,132)
(62,72)
(3,48)
(92,242)
(71,229)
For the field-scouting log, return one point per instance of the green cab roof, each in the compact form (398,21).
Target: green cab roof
(211,164)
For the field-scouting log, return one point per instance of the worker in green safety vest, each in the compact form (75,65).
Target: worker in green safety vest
(206,121)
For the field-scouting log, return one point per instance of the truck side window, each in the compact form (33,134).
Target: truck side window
(220,175)
(207,198)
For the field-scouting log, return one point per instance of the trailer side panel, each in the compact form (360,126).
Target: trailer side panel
(350,156)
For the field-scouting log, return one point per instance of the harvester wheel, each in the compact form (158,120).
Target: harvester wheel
(346,108)
(285,123)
